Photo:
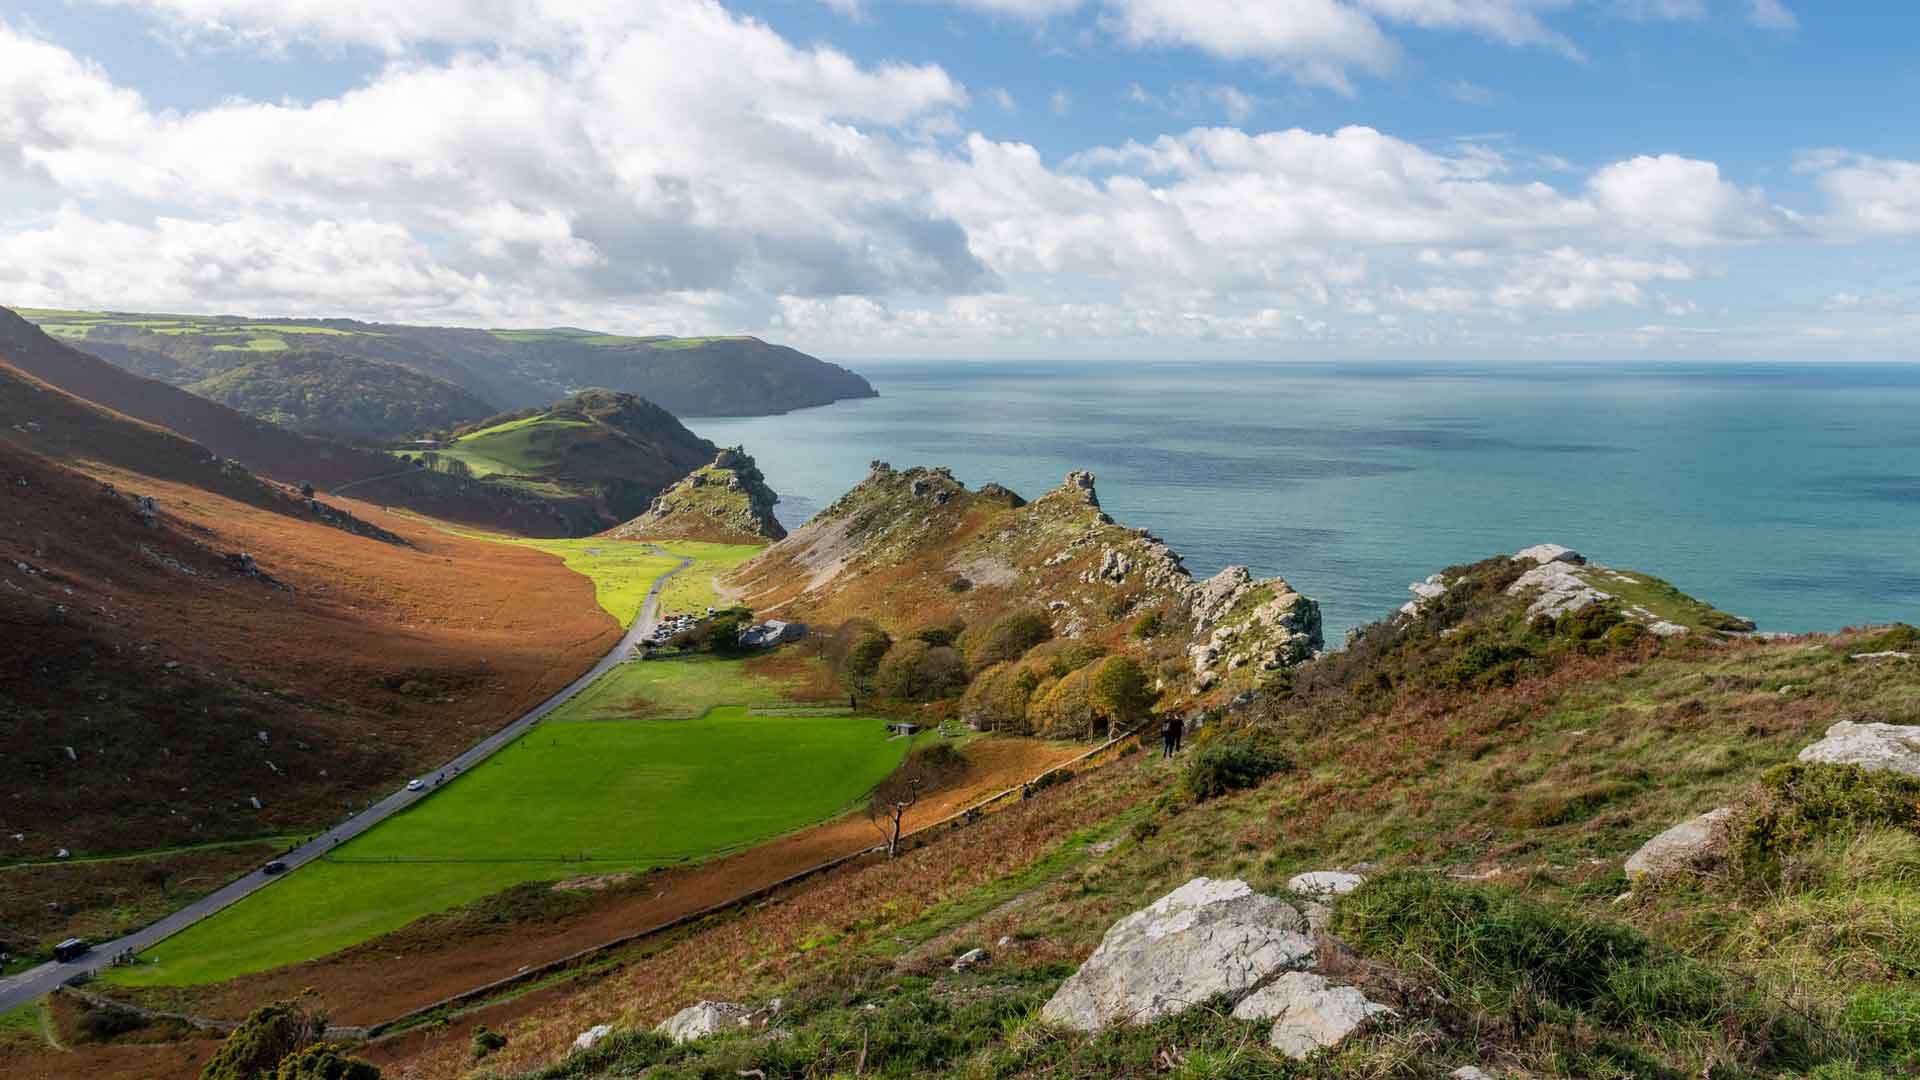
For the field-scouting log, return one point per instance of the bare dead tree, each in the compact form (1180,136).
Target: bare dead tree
(894,796)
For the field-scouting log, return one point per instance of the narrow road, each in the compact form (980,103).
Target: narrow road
(18,989)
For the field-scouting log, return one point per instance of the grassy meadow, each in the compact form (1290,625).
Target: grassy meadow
(590,791)
(692,589)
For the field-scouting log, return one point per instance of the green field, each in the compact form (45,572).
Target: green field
(622,570)
(583,793)
(692,589)
(514,448)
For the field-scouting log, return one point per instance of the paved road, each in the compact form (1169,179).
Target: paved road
(24,987)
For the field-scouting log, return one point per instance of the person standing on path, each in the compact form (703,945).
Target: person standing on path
(1170,736)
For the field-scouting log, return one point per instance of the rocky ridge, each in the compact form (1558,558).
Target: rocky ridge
(919,541)
(727,501)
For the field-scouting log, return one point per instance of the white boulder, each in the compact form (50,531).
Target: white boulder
(1324,883)
(1470,1072)
(1558,590)
(1893,747)
(1687,847)
(1542,554)
(1308,1014)
(706,1018)
(1205,938)
(591,1037)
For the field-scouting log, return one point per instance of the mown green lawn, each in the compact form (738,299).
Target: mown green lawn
(607,795)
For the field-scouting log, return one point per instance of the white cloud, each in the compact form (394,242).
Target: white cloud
(1004,99)
(1319,41)
(1867,195)
(1676,200)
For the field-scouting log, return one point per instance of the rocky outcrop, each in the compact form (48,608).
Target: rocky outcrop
(713,1017)
(1892,747)
(1689,847)
(591,1037)
(728,500)
(1308,1013)
(1247,621)
(1322,883)
(1205,938)
(1557,589)
(1543,554)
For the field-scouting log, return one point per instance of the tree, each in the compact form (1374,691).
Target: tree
(263,1040)
(1120,691)
(863,659)
(913,670)
(1007,638)
(920,773)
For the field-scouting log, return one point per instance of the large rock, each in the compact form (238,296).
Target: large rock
(1308,1014)
(1557,589)
(706,1018)
(1688,847)
(1205,938)
(1248,621)
(1542,554)
(1893,747)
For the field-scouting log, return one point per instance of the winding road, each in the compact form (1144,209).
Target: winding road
(19,989)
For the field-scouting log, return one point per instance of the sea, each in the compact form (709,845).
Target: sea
(1786,493)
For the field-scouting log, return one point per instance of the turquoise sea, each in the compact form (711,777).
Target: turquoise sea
(1786,493)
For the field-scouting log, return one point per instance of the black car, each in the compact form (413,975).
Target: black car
(70,949)
(274,867)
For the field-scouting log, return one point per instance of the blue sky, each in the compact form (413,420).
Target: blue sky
(1444,179)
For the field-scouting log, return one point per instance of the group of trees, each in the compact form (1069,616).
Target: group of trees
(284,1041)
(1011,675)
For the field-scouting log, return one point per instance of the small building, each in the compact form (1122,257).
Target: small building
(770,633)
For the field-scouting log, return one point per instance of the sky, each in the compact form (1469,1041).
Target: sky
(1588,180)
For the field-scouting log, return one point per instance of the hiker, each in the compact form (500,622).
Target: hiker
(1170,737)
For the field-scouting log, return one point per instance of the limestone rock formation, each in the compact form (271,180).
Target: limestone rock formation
(1542,554)
(1687,847)
(591,1037)
(1308,1013)
(706,1018)
(1246,621)
(727,501)
(1207,937)
(1558,589)
(1893,747)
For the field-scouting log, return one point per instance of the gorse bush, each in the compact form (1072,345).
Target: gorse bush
(1803,802)
(1231,764)
(326,1062)
(263,1040)
(1484,663)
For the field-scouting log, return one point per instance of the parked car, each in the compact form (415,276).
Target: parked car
(416,784)
(70,949)
(275,867)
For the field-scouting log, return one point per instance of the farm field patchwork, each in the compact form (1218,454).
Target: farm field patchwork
(580,794)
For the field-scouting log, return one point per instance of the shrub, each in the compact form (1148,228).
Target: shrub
(1802,802)
(264,1039)
(104,1023)
(913,670)
(1896,637)
(1149,626)
(944,634)
(959,584)
(1007,638)
(486,1041)
(325,1062)
(1483,663)
(1231,764)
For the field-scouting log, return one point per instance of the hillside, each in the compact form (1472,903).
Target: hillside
(1442,814)
(918,555)
(726,502)
(322,393)
(512,369)
(611,452)
(228,435)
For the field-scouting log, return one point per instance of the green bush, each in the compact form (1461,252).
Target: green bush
(1231,764)
(263,1040)
(1120,692)
(1802,802)
(325,1062)
(1149,626)
(1061,657)
(102,1024)
(942,634)
(486,1041)
(1484,663)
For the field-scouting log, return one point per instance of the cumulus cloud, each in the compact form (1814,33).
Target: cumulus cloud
(795,191)
(1867,195)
